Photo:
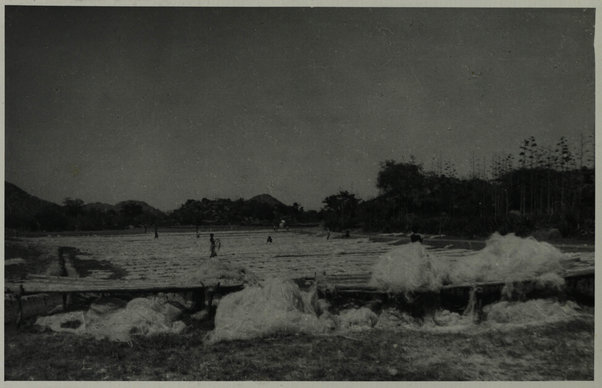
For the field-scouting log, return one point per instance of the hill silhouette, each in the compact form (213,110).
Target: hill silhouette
(267,199)
(23,210)
(145,208)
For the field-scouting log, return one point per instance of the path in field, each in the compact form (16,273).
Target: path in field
(291,255)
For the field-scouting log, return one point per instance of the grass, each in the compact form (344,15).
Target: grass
(558,351)
(35,261)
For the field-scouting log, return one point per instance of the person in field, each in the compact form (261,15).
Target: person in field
(269,240)
(213,245)
(415,237)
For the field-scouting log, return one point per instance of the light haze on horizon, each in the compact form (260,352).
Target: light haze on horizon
(169,104)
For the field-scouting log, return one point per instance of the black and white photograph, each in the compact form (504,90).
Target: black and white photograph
(299,193)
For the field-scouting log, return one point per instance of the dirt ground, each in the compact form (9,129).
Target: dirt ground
(559,351)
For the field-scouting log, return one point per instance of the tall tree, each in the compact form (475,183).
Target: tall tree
(340,210)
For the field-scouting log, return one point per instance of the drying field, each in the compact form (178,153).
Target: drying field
(175,255)
(523,351)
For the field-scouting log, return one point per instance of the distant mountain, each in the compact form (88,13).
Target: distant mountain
(99,206)
(267,199)
(22,208)
(145,208)
(25,211)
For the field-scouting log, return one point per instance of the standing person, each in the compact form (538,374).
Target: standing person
(269,240)
(156,232)
(415,237)
(212,242)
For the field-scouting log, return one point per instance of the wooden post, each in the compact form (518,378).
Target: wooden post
(478,308)
(63,271)
(62,265)
(211,295)
(20,305)
(210,302)
(198,299)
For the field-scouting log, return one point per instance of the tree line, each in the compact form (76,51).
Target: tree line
(543,188)
(240,212)
(75,214)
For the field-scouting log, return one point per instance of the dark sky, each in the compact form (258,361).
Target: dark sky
(167,104)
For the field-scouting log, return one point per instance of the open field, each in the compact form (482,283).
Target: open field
(291,255)
(550,351)
(176,254)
